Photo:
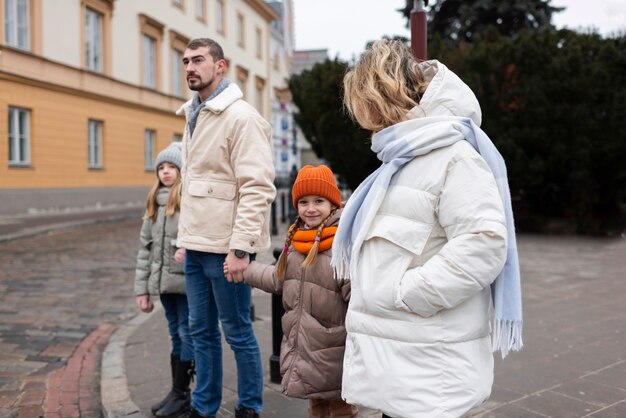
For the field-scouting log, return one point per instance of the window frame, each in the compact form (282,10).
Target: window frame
(150,28)
(149,147)
(94,45)
(201,11)
(241,30)
(105,9)
(259,42)
(12,21)
(18,141)
(178,43)
(220,17)
(241,76)
(259,88)
(94,144)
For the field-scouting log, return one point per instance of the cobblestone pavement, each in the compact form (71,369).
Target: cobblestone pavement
(61,296)
(65,295)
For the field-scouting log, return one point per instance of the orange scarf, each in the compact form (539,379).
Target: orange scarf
(304,239)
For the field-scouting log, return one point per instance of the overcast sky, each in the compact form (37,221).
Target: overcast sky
(344,26)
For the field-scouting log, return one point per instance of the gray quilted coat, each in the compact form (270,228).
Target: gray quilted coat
(156,270)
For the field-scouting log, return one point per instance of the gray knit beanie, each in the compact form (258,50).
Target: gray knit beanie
(171,154)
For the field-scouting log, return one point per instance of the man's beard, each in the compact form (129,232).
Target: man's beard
(201,85)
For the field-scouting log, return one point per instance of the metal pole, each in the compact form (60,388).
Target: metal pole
(418,30)
(277,330)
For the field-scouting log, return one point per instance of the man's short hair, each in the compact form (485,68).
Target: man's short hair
(215,50)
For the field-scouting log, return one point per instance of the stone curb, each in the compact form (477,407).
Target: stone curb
(114,391)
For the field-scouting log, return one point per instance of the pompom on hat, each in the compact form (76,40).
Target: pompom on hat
(317,181)
(172,154)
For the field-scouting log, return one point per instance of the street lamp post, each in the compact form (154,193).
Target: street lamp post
(418,29)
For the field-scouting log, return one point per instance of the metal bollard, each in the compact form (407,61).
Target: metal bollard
(277,330)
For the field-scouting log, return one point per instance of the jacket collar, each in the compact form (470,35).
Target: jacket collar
(218,104)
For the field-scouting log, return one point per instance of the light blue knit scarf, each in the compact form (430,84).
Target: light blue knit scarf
(399,144)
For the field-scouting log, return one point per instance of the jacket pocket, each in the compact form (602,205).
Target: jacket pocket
(405,233)
(392,246)
(210,208)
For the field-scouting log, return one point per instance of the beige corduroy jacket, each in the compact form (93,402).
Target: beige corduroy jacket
(227,177)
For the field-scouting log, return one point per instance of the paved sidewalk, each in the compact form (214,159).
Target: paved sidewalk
(64,298)
(573,363)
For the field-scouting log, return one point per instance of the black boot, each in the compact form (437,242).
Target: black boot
(192,413)
(173,365)
(246,413)
(181,400)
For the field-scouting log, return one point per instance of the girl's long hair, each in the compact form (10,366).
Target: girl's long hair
(173,201)
(281,264)
(386,82)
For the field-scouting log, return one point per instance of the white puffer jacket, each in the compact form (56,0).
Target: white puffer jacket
(418,340)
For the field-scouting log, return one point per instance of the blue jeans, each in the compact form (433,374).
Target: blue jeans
(177,314)
(210,297)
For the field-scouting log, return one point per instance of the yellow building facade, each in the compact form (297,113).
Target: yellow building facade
(88,91)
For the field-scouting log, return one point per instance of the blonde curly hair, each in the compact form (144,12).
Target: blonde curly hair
(385,84)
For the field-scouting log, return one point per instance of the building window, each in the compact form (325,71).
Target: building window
(242,80)
(220,17)
(149,61)
(201,10)
(178,43)
(93,40)
(151,38)
(148,147)
(259,43)
(17,23)
(19,136)
(94,144)
(241,30)
(96,15)
(276,61)
(177,73)
(259,93)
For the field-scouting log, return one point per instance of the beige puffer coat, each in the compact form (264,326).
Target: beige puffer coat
(156,270)
(311,353)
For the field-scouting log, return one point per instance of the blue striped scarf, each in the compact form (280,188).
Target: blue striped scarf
(399,144)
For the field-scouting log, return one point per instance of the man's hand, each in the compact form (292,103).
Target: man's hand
(235,267)
(179,256)
(144,303)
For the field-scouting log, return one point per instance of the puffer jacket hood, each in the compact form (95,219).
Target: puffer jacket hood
(446,95)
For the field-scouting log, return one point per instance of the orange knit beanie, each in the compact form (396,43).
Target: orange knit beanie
(318,181)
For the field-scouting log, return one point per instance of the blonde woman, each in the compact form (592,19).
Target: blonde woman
(423,238)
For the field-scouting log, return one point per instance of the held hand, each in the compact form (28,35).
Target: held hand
(235,267)
(179,256)
(144,303)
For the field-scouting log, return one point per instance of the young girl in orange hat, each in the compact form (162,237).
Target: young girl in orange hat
(315,302)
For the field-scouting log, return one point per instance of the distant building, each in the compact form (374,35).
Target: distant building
(89,90)
(306,59)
